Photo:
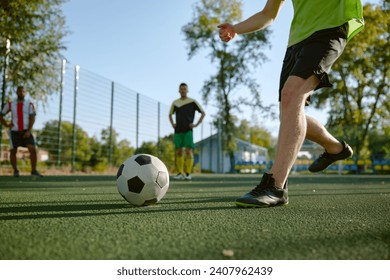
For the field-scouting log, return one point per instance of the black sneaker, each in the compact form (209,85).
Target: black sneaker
(36,174)
(16,173)
(266,194)
(326,159)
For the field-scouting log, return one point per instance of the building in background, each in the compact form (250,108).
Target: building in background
(248,158)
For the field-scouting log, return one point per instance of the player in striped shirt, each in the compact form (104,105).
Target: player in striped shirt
(22,120)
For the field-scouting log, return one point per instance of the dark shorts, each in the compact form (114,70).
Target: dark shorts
(17,139)
(314,56)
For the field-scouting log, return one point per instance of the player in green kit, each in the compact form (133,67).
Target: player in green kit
(318,35)
(184,108)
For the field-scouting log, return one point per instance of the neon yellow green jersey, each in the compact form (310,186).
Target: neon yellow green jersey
(314,15)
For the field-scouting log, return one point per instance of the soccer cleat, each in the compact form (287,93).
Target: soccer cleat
(266,194)
(16,173)
(36,174)
(326,159)
(179,176)
(188,177)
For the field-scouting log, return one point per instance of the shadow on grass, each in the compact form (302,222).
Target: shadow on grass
(102,209)
(70,178)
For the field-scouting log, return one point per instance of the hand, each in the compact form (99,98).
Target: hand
(226,32)
(26,134)
(191,125)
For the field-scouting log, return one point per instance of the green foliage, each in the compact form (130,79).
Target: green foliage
(120,150)
(48,140)
(234,61)
(91,154)
(379,143)
(148,147)
(360,99)
(164,150)
(167,151)
(253,134)
(35,30)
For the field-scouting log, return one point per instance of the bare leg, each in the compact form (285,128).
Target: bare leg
(12,158)
(33,157)
(316,132)
(293,125)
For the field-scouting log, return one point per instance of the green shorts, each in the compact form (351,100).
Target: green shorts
(184,140)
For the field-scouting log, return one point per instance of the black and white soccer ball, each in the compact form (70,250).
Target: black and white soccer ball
(142,180)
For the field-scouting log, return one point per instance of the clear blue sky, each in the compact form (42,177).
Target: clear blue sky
(139,44)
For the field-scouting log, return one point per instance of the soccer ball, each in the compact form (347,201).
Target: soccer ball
(142,180)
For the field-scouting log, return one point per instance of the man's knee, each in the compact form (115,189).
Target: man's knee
(31,148)
(296,91)
(291,98)
(189,152)
(179,151)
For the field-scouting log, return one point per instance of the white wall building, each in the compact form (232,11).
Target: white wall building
(212,158)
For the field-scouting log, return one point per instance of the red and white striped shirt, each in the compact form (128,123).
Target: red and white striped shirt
(20,113)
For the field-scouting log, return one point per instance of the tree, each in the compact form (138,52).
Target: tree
(360,99)
(235,62)
(167,151)
(148,147)
(164,149)
(47,139)
(253,134)
(379,143)
(120,150)
(97,161)
(34,29)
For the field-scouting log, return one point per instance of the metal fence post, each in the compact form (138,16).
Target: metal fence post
(76,87)
(137,123)
(211,147)
(219,149)
(158,128)
(201,148)
(111,120)
(4,87)
(62,82)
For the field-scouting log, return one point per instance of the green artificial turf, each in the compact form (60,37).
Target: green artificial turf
(84,217)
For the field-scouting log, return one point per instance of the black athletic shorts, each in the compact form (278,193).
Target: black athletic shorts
(17,139)
(314,56)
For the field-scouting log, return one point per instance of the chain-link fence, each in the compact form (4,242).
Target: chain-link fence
(91,109)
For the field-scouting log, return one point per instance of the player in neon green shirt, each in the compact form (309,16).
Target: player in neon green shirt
(312,16)
(318,35)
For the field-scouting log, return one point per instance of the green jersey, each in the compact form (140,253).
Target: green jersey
(314,15)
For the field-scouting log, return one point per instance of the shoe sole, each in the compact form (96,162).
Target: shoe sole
(247,205)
